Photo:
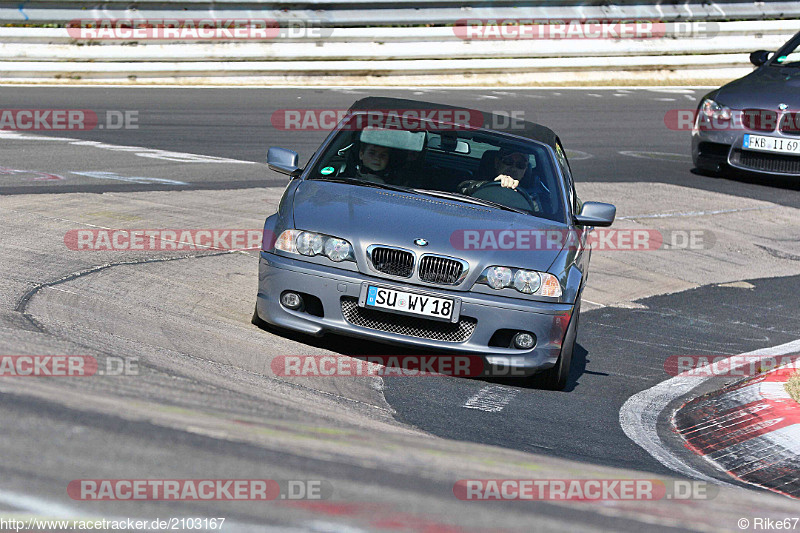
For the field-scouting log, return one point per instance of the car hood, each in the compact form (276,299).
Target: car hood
(764,88)
(367,215)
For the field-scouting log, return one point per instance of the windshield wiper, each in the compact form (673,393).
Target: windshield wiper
(366,183)
(470,199)
(438,194)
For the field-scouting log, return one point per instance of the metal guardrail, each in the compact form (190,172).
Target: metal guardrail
(394,41)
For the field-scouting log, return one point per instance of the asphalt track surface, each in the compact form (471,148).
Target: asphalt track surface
(614,136)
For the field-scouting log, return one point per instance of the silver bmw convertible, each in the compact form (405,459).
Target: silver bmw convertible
(433,227)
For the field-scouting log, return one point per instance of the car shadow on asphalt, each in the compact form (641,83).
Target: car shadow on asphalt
(767,180)
(363,349)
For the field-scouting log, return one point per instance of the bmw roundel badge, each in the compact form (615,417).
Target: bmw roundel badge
(420,242)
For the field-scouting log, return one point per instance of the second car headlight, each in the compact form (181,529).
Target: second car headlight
(308,243)
(524,281)
(713,110)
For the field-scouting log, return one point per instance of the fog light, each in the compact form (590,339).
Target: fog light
(524,341)
(291,300)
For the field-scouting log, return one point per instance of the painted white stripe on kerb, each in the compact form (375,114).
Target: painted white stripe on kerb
(775,390)
(491,398)
(639,415)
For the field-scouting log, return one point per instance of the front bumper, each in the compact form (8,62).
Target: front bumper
(547,321)
(712,150)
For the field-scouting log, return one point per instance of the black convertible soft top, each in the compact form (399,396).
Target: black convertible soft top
(480,119)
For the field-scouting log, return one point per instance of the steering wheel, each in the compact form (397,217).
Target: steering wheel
(495,192)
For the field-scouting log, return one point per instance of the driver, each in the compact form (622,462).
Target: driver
(510,167)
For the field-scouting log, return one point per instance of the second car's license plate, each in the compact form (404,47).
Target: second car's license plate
(411,303)
(771,144)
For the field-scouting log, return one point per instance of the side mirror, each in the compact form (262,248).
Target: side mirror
(596,214)
(283,161)
(759,57)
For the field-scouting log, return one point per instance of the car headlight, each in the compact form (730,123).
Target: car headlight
(713,110)
(527,281)
(524,281)
(498,277)
(310,243)
(295,241)
(338,249)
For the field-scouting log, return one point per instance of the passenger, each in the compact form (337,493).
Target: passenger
(373,163)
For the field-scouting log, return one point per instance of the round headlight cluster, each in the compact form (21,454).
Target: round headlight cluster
(527,281)
(310,244)
(498,277)
(524,281)
(712,109)
(338,249)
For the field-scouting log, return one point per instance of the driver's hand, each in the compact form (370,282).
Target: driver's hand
(507,181)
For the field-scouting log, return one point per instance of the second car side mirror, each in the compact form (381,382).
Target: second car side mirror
(283,161)
(596,214)
(759,57)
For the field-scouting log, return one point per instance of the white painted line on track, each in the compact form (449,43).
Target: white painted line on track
(492,399)
(659,156)
(153,153)
(696,213)
(639,415)
(36,505)
(673,90)
(102,175)
(44,510)
(578,155)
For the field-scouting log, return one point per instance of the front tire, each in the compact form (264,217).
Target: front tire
(257,321)
(556,378)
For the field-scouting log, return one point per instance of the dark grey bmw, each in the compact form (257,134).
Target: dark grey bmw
(753,123)
(418,224)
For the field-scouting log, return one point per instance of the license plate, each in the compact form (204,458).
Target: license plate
(771,144)
(411,303)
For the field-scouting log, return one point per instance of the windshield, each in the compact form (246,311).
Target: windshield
(789,57)
(476,166)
